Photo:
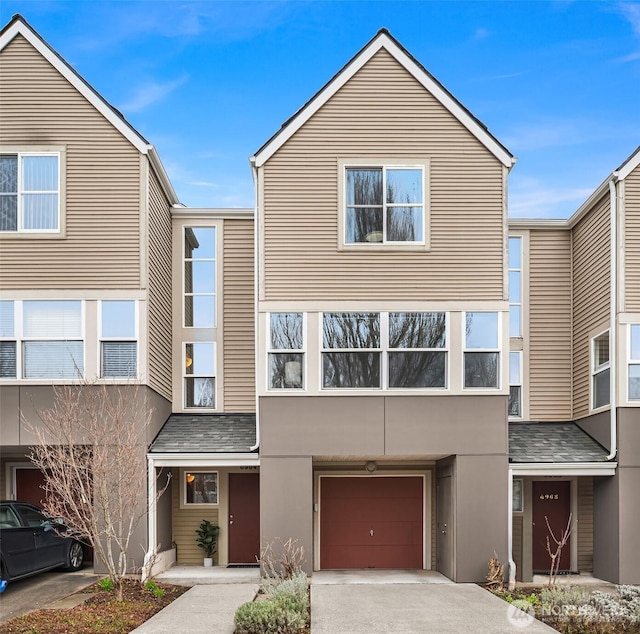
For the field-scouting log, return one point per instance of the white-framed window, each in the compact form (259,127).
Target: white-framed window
(286,351)
(8,341)
(384,204)
(600,371)
(200,488)
(52,339)
(200,277)
(118,339)
(391,350)
(515,287)
(515,384)
(481,350)
(517,497)
(199,375)
(634,362)
(30,192)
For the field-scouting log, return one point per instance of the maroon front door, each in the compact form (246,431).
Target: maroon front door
(29,483)
(551,499)
(371,522)
(244,518)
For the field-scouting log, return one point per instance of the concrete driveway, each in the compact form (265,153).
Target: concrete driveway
(36,592)
(410,607)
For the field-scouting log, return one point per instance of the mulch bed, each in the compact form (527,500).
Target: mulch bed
(99,613)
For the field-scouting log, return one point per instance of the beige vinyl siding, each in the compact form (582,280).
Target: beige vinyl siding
(101,249)
(585,524)
(238,317)
(549,325)
(591,278)
(159,257)
(185,522)
(383,112)
(518,522)
(632,240)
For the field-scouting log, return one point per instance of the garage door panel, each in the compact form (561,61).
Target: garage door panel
(352,507)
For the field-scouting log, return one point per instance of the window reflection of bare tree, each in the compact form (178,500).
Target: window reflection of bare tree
(286,334)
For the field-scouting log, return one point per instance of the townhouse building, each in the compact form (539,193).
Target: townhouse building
(374,361)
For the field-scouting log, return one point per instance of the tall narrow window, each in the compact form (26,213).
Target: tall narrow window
(515,287)
(53,347)
(200,277)
(634,363)
(30,192)
(601,389)
(286,351)
(8,341)
(199,375)
(384,205)
(417,355)
(351,355)
(118,346)
(482,350)
(515,384)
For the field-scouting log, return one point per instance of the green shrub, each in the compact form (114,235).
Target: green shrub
(106,584)
(295,586)
(152,587)
(260,617)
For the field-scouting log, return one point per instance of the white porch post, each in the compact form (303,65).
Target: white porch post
(152,520)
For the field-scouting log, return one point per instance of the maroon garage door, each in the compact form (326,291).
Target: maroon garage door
(371,522)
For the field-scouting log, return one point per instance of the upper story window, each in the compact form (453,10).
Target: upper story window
(634,362)
(30,192)
(52,341)
(286,351)
(118,340)
(200,277)
(384,350)
(515,384)
(481,350)
(600,371)
(515,287)
(199,375)
(385,204)
(8,342)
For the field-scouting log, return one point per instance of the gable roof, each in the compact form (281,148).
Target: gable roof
(19,26)
(629,165)
(383,40)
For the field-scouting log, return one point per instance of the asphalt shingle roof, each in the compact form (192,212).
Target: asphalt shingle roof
(206,433)
(553,442)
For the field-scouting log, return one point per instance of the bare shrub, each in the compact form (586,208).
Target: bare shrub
(281,560)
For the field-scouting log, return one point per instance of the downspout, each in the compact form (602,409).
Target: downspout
(512,563)
(256,235)
(613,329)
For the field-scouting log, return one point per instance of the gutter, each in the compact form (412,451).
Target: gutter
(613,327)
(256,276)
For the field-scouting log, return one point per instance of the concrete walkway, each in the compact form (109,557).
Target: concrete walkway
(350,602)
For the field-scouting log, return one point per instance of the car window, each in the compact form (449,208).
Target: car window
(8,518)
(30,515)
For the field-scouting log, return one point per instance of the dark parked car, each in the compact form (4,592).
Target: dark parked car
(30,543)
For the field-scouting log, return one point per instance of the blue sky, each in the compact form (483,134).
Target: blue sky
(208,82)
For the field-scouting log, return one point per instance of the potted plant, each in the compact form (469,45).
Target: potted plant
(208,540)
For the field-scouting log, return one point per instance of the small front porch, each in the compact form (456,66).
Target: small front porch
(199,575)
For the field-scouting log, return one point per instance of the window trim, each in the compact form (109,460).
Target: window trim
(631,362)
(136,338)
(520,272)
(519,384)
(384,349)
(183,489)
(185,376)
(384,163)
(39,150)
(497,350)
(215,261)
(596,370)
(302,351)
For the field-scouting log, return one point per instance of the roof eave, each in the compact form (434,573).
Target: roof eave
(563,468)
(383,40)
